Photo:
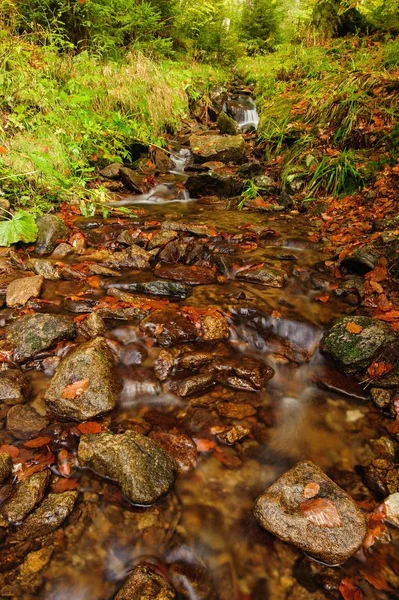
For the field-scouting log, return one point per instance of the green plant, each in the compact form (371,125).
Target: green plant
(336,174)
(17,227)
(250,192)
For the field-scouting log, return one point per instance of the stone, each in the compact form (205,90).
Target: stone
(27,495)
(214,327)
(62,251)
(49,515)
(162,160)
(51,231)
(200,229)
(242,373)
(133,258)
(132,181)
(361,260)
(93,326)
(356,349)
(92,364)
(160,239)
(21,290)
(24,422)
(218,147)
(32,334)
(214,183)
(235,410)
(144,583)
(169,327)
(329,526)
(178,445)
(111,171)
(44,267)
(329,378)
(381,398)
(192,275)
(154,288)
(227,125)
(392,508)
(13,386)
(268,276)
(141,467)
(5,466)
(193,384)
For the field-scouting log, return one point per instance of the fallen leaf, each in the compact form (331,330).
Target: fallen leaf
(311,490)
(38,442)
(204,445)
(276,314)
(75,389)
(323,299)
(349,590)
(90,427)
(354,327)
(378,368)
(11,450)
(63,485)
(321,512)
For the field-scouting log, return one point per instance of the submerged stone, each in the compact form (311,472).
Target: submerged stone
(13,386)
(169,327)
(192,275)
(306,508)
(154,288)
(90,368)
(269,276)
(34,333)
(51,513)
(24,422)
(140,466)
(27,495)
(144,583)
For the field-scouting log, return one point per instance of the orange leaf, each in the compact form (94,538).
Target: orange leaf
(323,299)
(90,427)
(204,445)
(378,368)
(75,389)
(311,490)
(354,327)
(3,150)
(276,314)
(37,442)
(11,450)
(349,590)
(63,485)
(321,512)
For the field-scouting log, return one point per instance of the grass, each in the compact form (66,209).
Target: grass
(323,106)
(63,116)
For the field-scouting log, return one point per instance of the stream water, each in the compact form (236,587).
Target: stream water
(203,535)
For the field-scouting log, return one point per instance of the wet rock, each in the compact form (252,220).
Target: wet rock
(269,276)
(27,495)
(235,410)
(129,354)
(33,333)
(51,513)
(93,326)
(381,475)
(133,258)
(5,466)
(111,171)
(160,239)
(91,364)
(162,160)
(242,373)
(250,170)
(79,306)
(164,364)
(231,435)
(140,466)
(62,251)
(227,125)
(132,181)
(329,378)
(44,267)
(178,445)
(392,508)
(24,422)
(192,275)
(144,583)
(382,399)
(192,581)
(193,384)
(201,229)
(218,147)
(13,386)
(214,327)
(138,382)
(222,185)
(194,360)
(21,290)
(154,288)
(356,349)
(329,526)
(169,327)
(51,231)
(362,260)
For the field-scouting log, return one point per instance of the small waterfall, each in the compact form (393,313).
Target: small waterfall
(243,110)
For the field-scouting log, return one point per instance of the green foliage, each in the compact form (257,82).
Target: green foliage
(260,25)
(250,192)
(18,227)
(336,175)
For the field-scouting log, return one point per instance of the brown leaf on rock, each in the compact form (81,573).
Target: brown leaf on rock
(38,442)
(354,328)
(89,427)
(378,368)
(311,490)
(75,389)
(321,512)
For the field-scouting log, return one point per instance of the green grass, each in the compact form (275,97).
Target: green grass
(63,116)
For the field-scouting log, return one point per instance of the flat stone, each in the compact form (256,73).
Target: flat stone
(329,526)
(92,364)
(193,384)
(329,378)
(200,229)
(141,467)
(31,334)
(356,349)
(134,258)
(5,466)
(169,327)
(27,495)
(21,290)
(218,147)
(50,514)
(269,276)
(178,445)
(160,239)
(51,231)
(24,422)
(175,289)
(191,275)
(44,267)
(144,583)
(13,386)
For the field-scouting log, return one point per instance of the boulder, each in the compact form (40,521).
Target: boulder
(227,125)
(21,290)
(5,466)
(51,231)
(211,183)
(84,385)
(27,495)
(140,466)
(111,171)
(132,181)
(31,334)
(133,258)
(44,267)
(24,422)
(50,514)
(306,508)
(169,327)
(218,147)
(356,349)
(144,583)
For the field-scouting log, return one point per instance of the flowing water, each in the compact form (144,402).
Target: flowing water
(203,534)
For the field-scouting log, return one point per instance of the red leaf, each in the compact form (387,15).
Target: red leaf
(378,368)
(90,427)
(349,590)
(75,389)
(11,450)
(311,490)
(321,512)
(38,442)
(354,327)
(64,467)
(204,445)
(63,485)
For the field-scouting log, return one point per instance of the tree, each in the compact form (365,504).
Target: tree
(260,25)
